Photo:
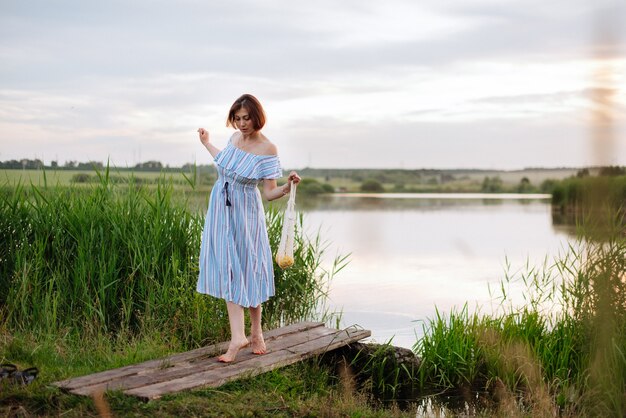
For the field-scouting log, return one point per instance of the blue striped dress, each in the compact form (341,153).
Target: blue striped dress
(235,256)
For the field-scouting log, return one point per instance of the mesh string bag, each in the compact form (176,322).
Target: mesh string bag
(284,256)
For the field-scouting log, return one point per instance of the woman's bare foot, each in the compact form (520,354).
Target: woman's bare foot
(233,349)
(258,345)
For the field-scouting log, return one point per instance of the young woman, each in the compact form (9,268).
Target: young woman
(235,256)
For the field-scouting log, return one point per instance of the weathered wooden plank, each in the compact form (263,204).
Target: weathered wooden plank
(251,367)
(255,367)
(330,342)
(294,353)
(196,368)
(183,369)
(165,363)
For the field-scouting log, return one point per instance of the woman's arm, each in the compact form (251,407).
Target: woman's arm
(204,138)
(272,192)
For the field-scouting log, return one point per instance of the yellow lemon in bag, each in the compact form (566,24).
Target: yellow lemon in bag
(284,261)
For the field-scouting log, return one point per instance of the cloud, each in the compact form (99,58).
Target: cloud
(84,78)
(505,144)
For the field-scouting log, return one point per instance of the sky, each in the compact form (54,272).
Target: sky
(492,84)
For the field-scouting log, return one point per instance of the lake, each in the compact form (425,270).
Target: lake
(413,253)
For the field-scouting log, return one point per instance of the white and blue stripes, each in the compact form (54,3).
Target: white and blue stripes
(235,256)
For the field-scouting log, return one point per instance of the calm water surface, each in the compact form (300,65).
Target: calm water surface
(411,253)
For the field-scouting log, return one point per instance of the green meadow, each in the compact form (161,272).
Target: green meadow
(325,180)
(67,177)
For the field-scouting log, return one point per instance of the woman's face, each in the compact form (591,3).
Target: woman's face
(243,121)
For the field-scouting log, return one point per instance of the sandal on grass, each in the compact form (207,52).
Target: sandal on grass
(24,377)
(7,370)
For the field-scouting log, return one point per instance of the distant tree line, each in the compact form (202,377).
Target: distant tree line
(23,164)
(154,166)
(26,164)
(393,176)
(607,171)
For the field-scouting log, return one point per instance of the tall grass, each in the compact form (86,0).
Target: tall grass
(576,193)
(112,258)
(562,352)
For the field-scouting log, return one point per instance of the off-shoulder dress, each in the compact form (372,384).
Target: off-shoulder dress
(235,256)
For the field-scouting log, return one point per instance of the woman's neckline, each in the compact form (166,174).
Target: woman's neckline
(248,152)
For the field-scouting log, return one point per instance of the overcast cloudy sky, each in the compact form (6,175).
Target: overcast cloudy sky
(346,83)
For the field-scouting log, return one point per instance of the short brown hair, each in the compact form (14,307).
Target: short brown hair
(254,108)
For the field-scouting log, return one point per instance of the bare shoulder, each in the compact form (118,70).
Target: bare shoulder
(266,147)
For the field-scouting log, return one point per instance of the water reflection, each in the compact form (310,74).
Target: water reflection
(410,254)
(411,201)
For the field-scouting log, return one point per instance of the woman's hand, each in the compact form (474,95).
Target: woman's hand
(273,192)
(293,176)
(204,136)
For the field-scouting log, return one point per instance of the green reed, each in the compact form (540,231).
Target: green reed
(576,194)
(114,258)
(552,353)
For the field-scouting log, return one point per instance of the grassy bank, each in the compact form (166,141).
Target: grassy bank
(102,276)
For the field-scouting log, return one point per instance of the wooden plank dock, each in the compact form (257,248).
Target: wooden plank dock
(200,368)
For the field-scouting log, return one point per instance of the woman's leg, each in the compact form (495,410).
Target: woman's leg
(237,332)
(256,332)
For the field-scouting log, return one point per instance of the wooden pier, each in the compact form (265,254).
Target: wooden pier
(200,368)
